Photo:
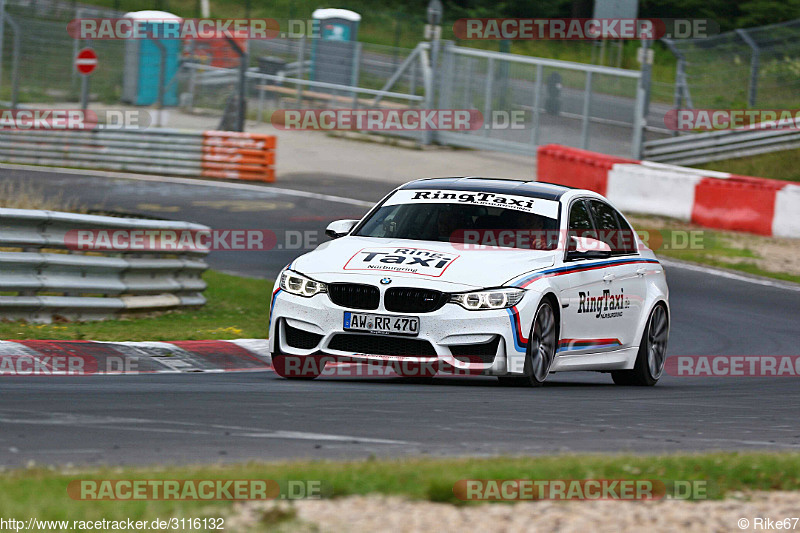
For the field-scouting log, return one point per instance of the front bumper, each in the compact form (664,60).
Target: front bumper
(450,331)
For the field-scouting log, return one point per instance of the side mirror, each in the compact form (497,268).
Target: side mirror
(340,228)
(587,248)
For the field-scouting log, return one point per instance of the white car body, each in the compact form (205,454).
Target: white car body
(601,305)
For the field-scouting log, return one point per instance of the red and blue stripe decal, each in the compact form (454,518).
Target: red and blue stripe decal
(560,271)
(569,345)
(564,345)
(521,342)
(277,291)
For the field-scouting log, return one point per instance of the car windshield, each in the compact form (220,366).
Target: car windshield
(480,223)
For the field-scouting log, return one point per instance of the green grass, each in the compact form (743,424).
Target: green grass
(237,308)
(723,249)
(42,492)
(783,165)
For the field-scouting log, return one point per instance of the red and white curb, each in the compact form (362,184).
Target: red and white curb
(52,357)
(705,197)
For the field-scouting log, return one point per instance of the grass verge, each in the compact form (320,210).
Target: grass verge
(43,492)
(237,308)
(770,257)
(783,165)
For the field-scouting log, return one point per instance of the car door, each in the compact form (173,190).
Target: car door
(599,313)
(582,332)
(624,280)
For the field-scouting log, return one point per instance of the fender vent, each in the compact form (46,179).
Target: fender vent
(299,338)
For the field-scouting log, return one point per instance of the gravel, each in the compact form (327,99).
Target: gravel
(389,513)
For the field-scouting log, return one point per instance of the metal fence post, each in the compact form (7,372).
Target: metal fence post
(85,84)
(587,101)
(242,107)
(2,36)
(15,61)
(354,72)
(487,102)
(537,103)
(754,66)
(301,58)
(446,76)
(427,80)
(639,123)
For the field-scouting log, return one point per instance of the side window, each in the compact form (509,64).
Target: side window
(580,223)
(612,229)
(579,219)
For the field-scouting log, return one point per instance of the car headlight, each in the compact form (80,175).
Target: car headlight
(298,284)
(488,299)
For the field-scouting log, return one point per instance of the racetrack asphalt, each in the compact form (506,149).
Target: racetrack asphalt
(193,418)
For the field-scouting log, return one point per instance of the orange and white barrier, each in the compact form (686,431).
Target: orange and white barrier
(234,155)
(709,198)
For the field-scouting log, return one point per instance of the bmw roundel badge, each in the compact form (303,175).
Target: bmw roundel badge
(386,281)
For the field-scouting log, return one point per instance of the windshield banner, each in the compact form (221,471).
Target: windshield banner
(538,206)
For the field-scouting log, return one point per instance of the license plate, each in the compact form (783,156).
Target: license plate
(399,325)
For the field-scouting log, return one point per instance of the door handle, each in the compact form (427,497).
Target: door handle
(641,272)
(608,278)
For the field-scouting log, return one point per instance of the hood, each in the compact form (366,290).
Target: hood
(424,264)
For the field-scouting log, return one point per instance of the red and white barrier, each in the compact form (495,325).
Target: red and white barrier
(83,358)
(712,199)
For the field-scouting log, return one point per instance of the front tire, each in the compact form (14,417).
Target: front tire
(652,352)
(541,350)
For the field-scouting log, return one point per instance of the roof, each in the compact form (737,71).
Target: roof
(534,189)
(334,13)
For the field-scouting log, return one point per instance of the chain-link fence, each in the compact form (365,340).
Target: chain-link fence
(754,67)
(549,101)
(529,101)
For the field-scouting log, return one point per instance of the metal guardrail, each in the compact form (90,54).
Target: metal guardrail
(41,277)
(216,154)
(697,148)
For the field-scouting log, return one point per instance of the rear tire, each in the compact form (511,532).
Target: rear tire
(652,352)
(541,350)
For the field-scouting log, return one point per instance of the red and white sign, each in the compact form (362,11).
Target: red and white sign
(86,61)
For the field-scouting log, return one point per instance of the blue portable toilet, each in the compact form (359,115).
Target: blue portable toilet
(333,51)
(143,61)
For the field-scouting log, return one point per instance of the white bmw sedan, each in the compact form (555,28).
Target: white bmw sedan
(496,277)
